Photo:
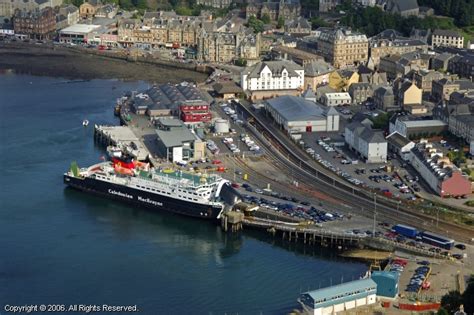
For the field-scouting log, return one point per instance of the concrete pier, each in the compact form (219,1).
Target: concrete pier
(123,137)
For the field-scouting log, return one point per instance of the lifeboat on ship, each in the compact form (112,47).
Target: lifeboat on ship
(124,161)
(123,170)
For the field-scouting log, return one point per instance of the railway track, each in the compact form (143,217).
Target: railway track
(286,158)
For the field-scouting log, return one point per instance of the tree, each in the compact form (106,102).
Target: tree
(381,121)
(125,4)
(255,24)
(184,11)
(317,22)
(468,296)
(442,311)
(281,22)
(266,19)
(241,62)
(451,301)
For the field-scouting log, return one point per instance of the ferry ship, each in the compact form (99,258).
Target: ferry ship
(202,196)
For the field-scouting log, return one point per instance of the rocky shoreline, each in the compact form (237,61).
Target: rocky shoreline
(58,61)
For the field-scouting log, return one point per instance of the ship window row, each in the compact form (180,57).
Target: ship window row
(184,197)
(151,189)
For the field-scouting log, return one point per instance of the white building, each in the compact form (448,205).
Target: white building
(335,99)
(272,75)
(447,38)
(77,33)
(407,128)
(339,298)
(297,115)
(369,144)
(366,3)
(400,145)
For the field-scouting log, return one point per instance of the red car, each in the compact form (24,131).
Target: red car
(216,162)
(235,185)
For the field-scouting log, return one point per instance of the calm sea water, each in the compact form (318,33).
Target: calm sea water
(65,247)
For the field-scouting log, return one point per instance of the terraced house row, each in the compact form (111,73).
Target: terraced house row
(213,40)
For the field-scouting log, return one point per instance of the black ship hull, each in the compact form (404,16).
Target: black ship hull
(143,198)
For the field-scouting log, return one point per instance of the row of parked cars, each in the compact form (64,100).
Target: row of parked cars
(418,280)
(231,113)
(327,164)
(251,145)
(306,212)
(326,147)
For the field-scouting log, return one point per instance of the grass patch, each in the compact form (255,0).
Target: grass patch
(449,214)
(468,33)
(469,203)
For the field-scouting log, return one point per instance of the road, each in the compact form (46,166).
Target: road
(290,158)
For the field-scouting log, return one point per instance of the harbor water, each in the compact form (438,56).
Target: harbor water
(60,246)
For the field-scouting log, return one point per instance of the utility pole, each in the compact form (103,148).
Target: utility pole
(375,213)
(437,216)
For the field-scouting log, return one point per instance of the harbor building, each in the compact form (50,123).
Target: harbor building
(297,115)
(387,283)
(167,100)
(77,33)
(339,298)
(438,171)
(178,143)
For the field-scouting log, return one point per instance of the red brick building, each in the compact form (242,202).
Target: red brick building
(192,113)
(39,24)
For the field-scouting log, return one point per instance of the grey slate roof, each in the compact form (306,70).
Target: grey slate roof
(397,140)
(384,91)
(308,94)
(175,137)
(228,87)
(169,96)
(299,22)
(371,136)
(449,33)
(276,67)
(293,108)
(404,5)
(317,68)
(444,56)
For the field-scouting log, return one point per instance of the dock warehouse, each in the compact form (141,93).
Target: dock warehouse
(339,298)
(387,283)
(297,115)
(178,143)
(77,33)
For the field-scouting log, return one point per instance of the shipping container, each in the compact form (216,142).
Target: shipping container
(405,230)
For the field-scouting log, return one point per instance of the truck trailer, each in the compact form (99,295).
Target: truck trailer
(405,230)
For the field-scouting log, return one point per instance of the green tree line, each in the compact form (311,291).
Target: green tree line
(373,20)
(451,302)
(461,10)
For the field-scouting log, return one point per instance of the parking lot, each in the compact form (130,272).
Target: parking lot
(330,150)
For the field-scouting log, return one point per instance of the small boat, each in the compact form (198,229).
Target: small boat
(85,123)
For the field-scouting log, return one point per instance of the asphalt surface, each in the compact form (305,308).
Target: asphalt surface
(295,157)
